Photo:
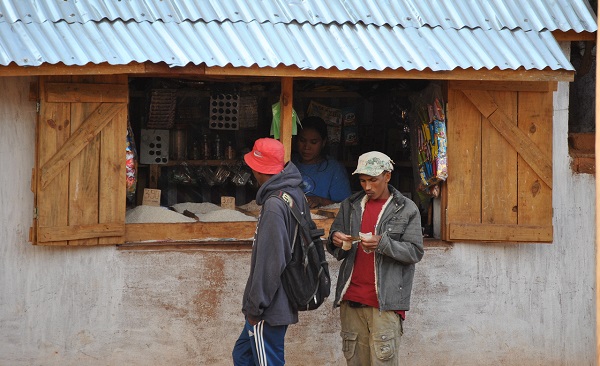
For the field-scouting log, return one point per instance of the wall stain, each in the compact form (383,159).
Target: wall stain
(208,301)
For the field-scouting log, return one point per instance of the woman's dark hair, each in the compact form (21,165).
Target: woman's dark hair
(315,123)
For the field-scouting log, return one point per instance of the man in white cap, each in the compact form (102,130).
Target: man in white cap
(265,305)
(377,234)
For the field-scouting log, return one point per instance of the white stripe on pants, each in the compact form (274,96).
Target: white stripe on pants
(260,343)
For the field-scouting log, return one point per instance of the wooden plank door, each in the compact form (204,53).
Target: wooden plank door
(80,165)
(500,163)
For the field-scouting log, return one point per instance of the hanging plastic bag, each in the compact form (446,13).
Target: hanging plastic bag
(276,122)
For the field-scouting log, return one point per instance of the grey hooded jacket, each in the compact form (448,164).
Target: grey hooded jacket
(400,247)
(264,296)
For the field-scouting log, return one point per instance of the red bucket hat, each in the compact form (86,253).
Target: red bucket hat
(266,156)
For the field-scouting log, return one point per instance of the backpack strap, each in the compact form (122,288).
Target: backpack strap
(314,232)
(287,198)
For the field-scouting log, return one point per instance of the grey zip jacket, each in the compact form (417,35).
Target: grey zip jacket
(400,247)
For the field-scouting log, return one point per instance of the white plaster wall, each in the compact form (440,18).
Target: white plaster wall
(473,304)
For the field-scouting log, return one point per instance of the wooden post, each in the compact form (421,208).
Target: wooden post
(285,127)
(154,176)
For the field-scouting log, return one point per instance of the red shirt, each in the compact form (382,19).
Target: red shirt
(362,284)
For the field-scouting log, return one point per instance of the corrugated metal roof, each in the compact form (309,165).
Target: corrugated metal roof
(346,47)
(347,34)
(527,15)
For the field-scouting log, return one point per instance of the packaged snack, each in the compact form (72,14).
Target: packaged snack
(349,116)
(131,164)
(182,174)
(350,135)
(431,139)
(331,116)
(334,134)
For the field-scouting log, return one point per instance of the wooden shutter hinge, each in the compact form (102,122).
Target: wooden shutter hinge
(35,213)
(37,107)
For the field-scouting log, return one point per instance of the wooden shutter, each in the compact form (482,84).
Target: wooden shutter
(499,186)
(80,165)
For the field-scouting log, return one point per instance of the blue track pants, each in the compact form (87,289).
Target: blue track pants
(260,345)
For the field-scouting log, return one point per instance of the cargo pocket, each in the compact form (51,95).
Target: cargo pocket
(384,344)
(349,346)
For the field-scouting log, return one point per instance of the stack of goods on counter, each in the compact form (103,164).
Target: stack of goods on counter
(154,214)
(209,212)
(184,212)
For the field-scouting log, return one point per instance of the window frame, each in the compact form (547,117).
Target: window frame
(109,228)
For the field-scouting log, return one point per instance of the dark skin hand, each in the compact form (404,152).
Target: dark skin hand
(376,187)
(368,244)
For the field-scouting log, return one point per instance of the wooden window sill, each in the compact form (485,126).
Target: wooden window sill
(228,245)
(582,152)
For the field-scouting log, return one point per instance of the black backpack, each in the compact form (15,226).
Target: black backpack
(306,278)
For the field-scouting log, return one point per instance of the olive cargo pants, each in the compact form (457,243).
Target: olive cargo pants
(370,336)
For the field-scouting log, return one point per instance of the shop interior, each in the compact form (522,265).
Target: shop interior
(186,140)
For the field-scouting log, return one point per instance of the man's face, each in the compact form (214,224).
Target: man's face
(375,187)
(260,177)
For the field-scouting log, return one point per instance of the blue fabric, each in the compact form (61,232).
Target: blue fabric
(259,345)
(327,179)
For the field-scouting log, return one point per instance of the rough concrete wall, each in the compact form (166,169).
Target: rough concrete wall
(473,304)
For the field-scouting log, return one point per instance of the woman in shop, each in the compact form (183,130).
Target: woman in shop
(324,179)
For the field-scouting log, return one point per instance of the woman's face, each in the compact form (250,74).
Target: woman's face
(310,143)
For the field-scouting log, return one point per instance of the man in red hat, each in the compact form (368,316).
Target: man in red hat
(265,303)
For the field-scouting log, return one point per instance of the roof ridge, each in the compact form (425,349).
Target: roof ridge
(562,15)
